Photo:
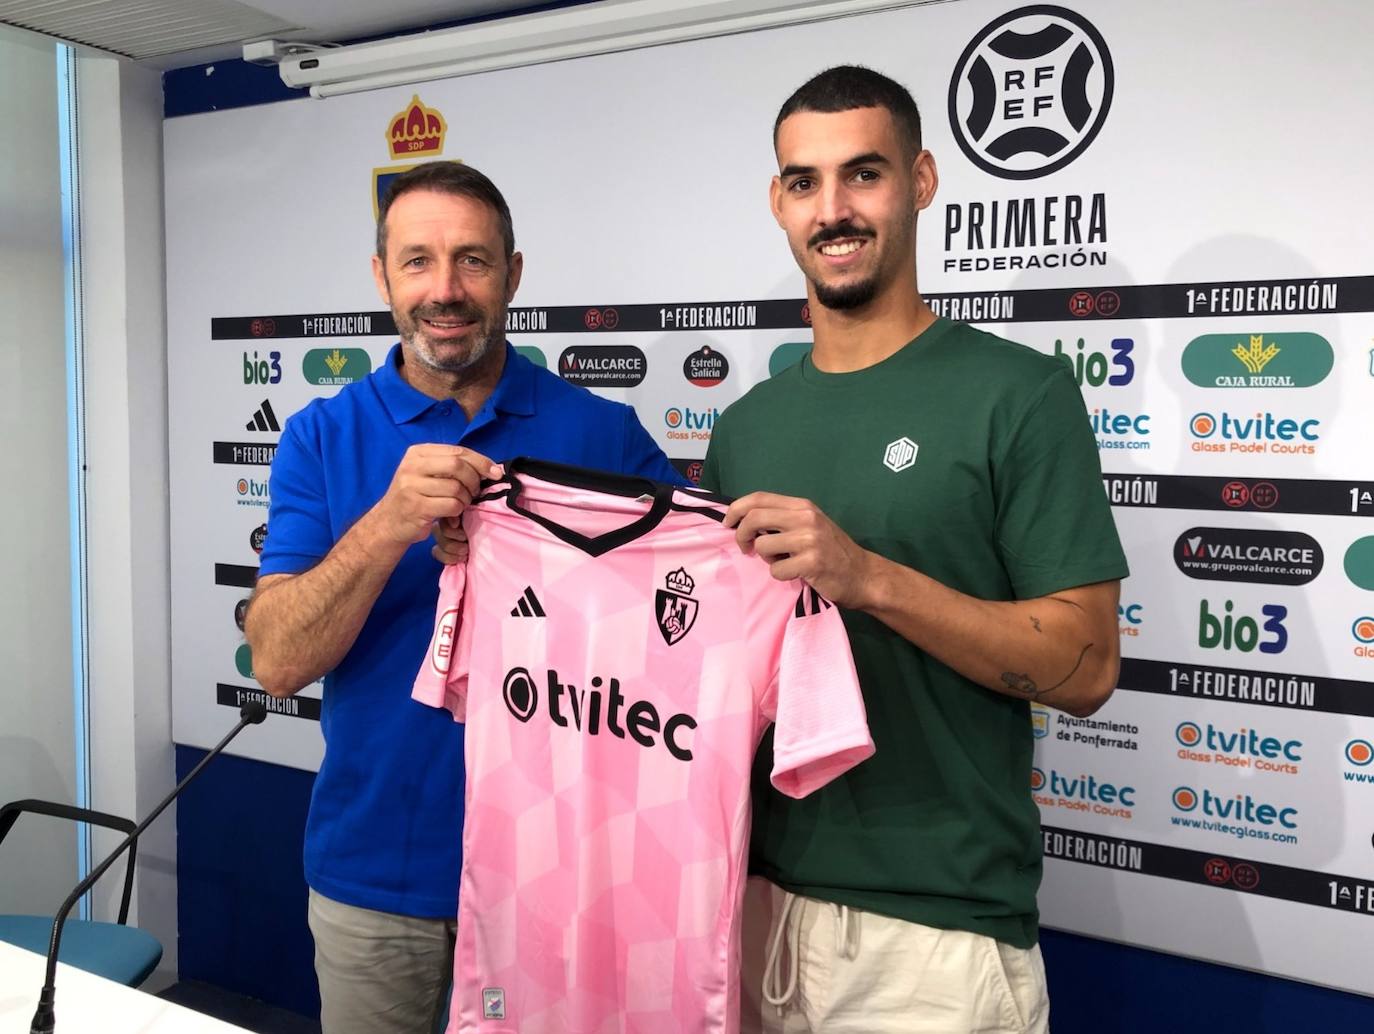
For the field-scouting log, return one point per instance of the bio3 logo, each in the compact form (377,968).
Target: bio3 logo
(1226,630)
(567,706)
(257,370)
(1093,369)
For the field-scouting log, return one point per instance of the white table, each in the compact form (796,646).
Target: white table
(88,1004)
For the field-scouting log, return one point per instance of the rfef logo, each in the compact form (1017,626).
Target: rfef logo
(1248,555)
(1237,748)
(705,367)
(334,366)
(1263,432)
(260,370)
(1226,631)
(1093,369)
(1297,360)
(1030,92)
(603,366)
(569,707)
(1082,792)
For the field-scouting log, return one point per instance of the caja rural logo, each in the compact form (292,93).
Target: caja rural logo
(417,131)
(1292,360)
(1030,92)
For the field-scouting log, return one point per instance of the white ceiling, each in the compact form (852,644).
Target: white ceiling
(174,33)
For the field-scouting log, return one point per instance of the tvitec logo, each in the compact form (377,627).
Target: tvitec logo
(252,492)
(1239,748)
(1239,815)
(1358,754)
(1130,616)
(1229,631)
(1262,432)
(1363,631)
(688,424)
(257,370)
(1094,368)
(581,710)
(1117,430)
(1083,792)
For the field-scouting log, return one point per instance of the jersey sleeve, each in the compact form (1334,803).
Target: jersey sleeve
(1054,522)
(821,729)
(443,677)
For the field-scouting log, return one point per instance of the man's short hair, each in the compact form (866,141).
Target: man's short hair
(447,178)
(846,87)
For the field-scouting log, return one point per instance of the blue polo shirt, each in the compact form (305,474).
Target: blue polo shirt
(385,824)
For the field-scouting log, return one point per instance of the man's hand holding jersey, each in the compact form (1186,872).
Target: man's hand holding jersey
(1061,649)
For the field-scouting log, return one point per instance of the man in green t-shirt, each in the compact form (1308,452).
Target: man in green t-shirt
(942,486)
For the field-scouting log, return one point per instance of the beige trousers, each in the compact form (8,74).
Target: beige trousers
(380,973)
(812,966)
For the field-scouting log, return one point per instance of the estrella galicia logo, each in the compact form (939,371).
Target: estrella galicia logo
(674,607)
(522,699)
(1249,555)
(602,366)
(1030,92)
(706,367)
(257,537)
(240,613)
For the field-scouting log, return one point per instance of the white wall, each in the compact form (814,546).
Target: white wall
(38,860)
(132,759)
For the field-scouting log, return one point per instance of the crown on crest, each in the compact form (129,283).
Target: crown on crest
(418,130)
(680,581)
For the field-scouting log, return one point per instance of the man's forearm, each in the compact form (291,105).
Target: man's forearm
(1050,649)
(301,626)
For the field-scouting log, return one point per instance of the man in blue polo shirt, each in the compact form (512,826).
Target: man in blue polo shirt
(347,586)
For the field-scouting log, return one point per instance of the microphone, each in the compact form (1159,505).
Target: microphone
(251,713)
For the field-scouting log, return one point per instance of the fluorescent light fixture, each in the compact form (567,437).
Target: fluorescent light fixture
(597,28)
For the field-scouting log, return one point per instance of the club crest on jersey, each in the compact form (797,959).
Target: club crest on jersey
(674,607)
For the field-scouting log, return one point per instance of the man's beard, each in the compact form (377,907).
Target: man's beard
(846,296)
(489,334)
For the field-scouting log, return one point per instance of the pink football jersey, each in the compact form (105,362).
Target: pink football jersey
(617,659)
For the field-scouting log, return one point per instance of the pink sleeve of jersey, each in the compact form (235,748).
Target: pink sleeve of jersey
(821,728)
(443,677)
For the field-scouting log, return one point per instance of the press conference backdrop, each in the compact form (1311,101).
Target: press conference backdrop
(1176,205)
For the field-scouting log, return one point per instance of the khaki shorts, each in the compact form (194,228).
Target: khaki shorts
(812,966)
(380,973)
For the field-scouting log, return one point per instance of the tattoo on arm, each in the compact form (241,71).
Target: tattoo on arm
(1023,685)
(1036,622)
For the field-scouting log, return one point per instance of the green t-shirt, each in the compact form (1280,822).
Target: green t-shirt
(970,459)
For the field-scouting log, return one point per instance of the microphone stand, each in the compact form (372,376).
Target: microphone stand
(251,713)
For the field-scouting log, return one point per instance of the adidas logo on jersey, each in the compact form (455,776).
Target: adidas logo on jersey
(811,602)
(527,606)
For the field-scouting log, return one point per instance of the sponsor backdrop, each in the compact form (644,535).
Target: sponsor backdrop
(1195,248)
